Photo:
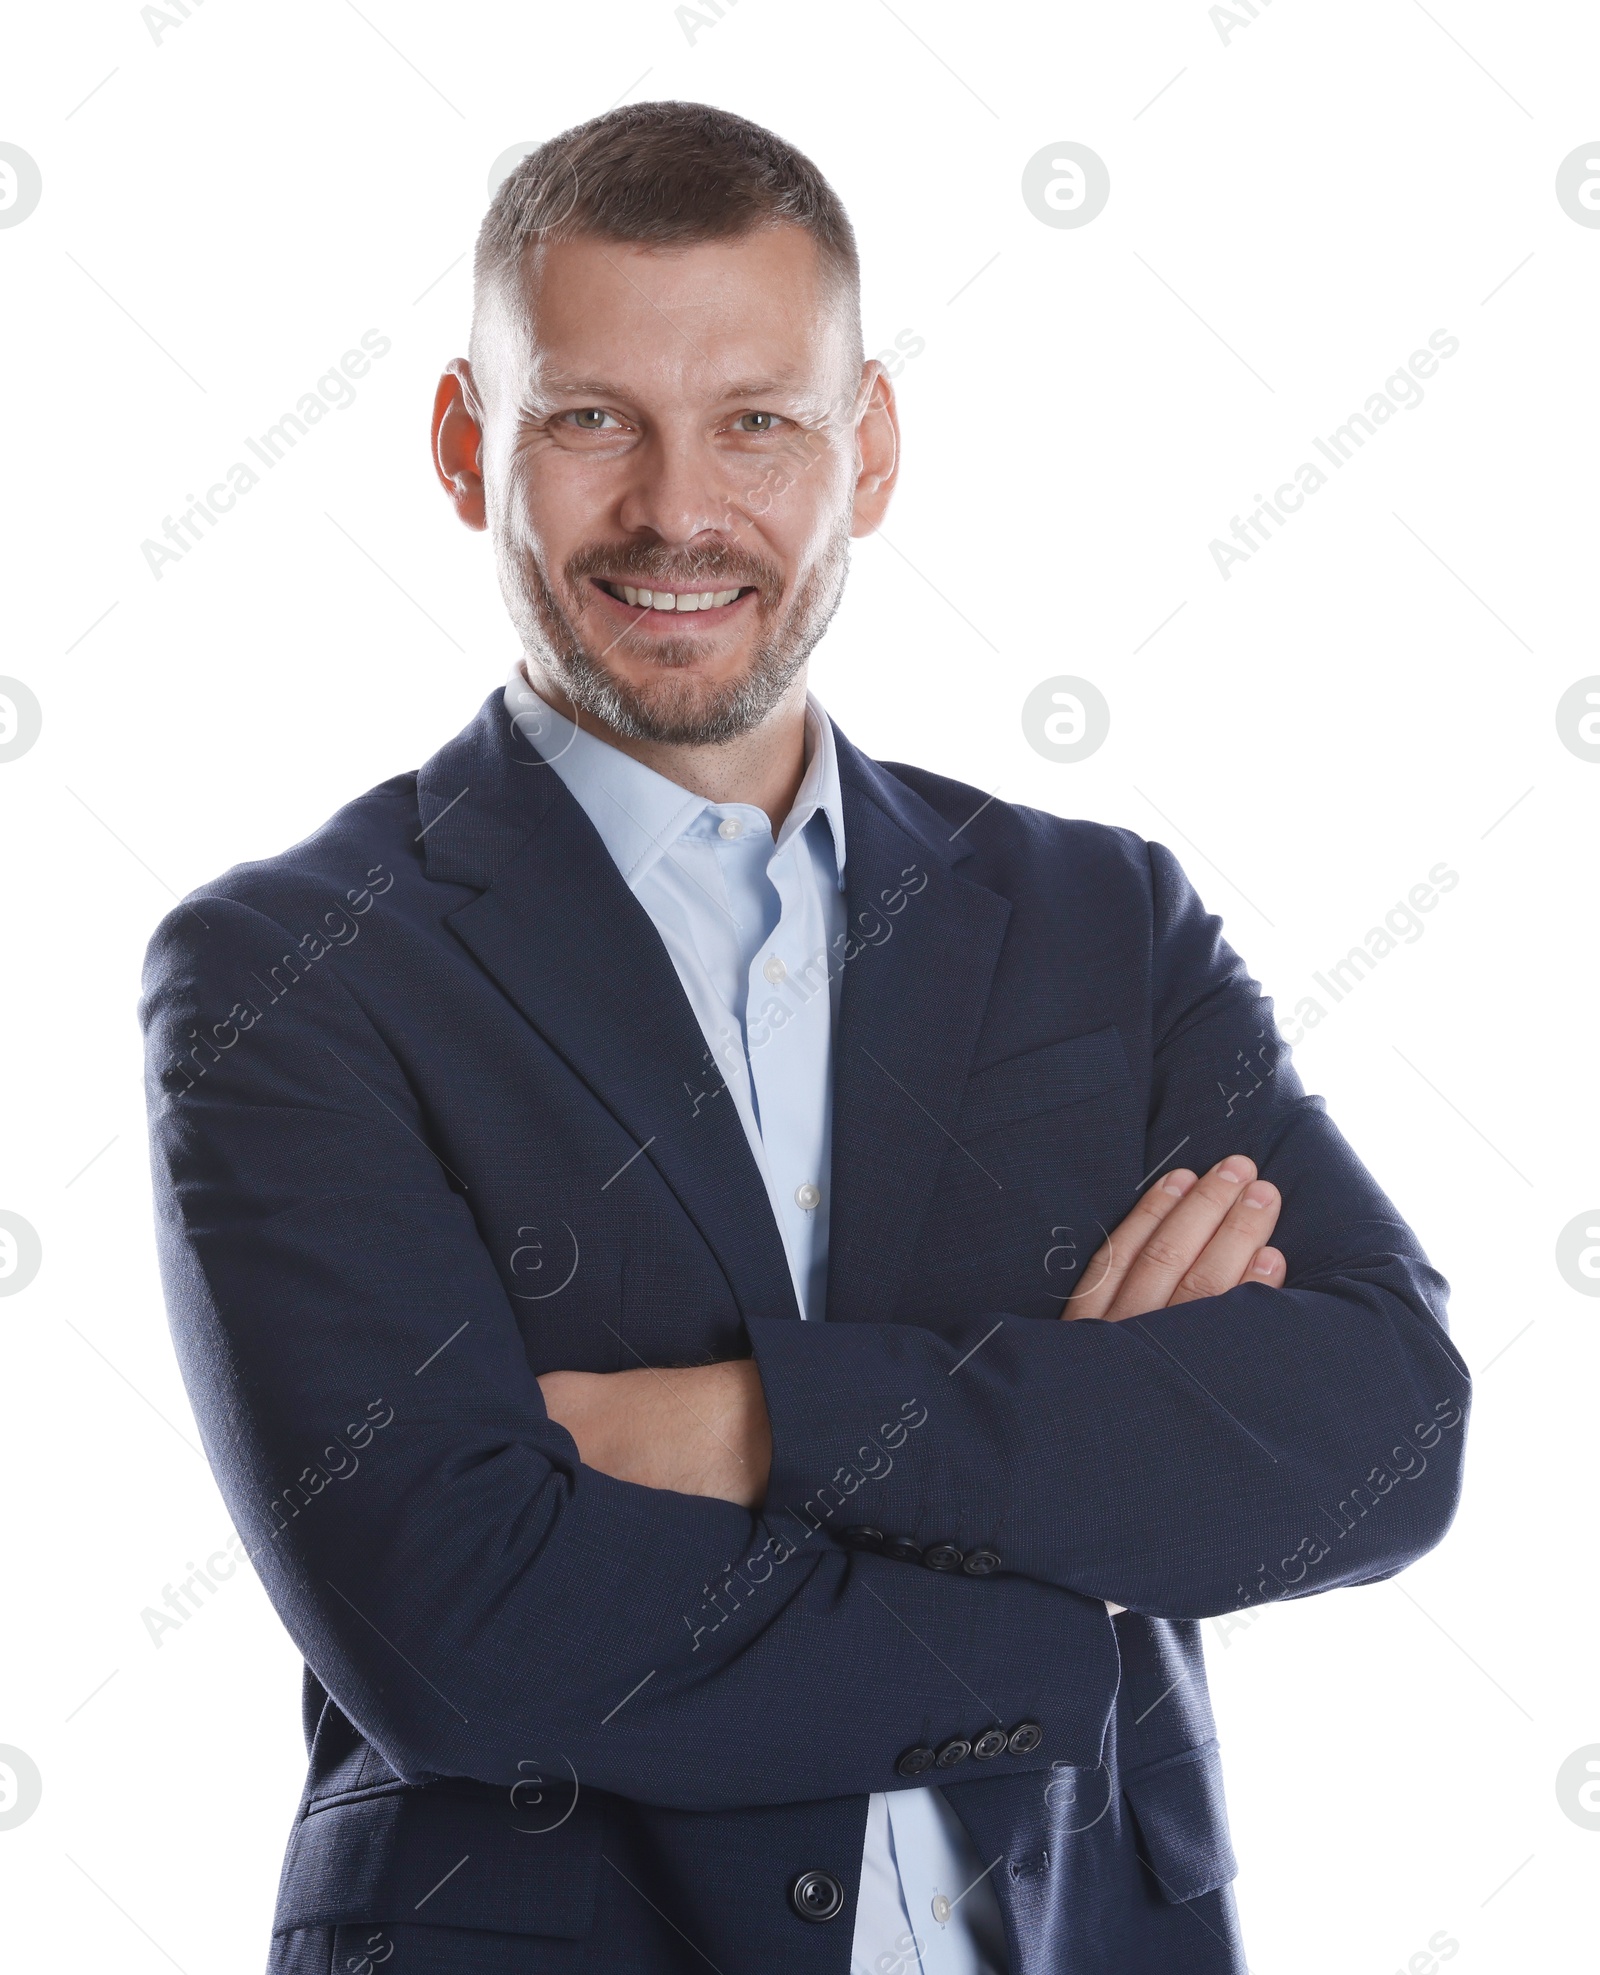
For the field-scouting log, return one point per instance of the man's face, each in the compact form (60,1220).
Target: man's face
(687,424)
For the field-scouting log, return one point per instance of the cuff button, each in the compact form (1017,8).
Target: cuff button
(861,1536)
(979,1563)
(957,1749)
(942,1556)
(904,1549)
(916,1762)
(991,1743)
(1025,1738)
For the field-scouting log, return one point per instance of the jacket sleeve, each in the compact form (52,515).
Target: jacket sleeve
(1262,1444)
(472,1596)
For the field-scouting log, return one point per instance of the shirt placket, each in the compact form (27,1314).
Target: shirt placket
(790,1042)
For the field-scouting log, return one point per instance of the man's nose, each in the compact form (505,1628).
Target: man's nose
(680,490)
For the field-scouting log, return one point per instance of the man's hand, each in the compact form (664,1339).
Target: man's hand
(702,1430)
(1186,1238)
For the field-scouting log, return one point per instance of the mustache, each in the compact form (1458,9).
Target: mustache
(713,567)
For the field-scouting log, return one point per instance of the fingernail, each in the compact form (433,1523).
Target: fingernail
(1258,1196)
(1177,1184)
(1264,1267)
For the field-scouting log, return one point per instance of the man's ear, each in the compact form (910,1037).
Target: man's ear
(878,447)
(458,442)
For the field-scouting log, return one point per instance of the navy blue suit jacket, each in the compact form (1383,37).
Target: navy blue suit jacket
(431,1116)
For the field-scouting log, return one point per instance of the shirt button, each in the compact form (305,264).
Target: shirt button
(729,828)
(775,970)
(942,1909)
(808,1196)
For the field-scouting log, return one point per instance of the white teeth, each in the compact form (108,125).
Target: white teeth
(667,600)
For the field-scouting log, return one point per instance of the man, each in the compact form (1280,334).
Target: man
(618,1189)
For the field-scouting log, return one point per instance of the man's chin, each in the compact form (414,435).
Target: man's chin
(675,696)
(685,711)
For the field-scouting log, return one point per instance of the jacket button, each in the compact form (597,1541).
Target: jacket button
(861,1536)
(979,1563)
(942,1556)
(916,1762)
(992,1742)
(1025,1738)
(904,1549)
(957,1749)
(816,1896)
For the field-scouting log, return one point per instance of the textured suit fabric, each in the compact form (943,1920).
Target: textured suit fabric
(422,1099)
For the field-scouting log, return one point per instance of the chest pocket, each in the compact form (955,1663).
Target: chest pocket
(1042,1080)
(1027,1181)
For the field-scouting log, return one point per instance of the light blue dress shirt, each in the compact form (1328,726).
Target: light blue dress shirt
(750,923)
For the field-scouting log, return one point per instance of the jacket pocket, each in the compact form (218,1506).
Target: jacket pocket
(1044,1079)
(443,1856)
(1183,1822)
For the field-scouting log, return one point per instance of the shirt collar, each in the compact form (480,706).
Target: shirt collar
(639,814)
(819,792)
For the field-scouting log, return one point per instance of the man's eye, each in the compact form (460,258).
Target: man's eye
(592,419)
(757,421)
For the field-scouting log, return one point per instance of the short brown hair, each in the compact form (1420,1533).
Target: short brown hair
(665,175)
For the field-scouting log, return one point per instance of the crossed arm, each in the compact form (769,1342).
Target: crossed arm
(489,1588)
(704,1429)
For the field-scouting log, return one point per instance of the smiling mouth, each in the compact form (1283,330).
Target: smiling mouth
(672,601)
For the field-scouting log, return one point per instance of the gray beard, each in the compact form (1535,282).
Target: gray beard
(671,709)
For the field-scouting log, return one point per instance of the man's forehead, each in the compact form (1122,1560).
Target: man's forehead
(785,382)
(750,316)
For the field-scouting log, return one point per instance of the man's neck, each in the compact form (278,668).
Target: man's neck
(763,767)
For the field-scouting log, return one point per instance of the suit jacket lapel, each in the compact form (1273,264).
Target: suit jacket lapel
(559,930)
(911,1009)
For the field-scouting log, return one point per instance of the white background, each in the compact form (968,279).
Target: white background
(1373,692)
